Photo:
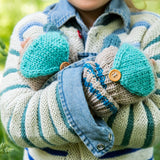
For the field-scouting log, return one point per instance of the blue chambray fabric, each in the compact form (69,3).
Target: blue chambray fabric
(93,132)
(60,13)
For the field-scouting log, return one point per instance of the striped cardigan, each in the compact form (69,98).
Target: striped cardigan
(36,120)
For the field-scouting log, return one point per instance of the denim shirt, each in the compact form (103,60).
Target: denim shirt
(94,132)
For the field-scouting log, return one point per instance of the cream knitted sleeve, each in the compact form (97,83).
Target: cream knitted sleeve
(138,125)
(151,47)
(31,118)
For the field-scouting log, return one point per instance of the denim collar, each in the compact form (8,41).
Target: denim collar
(120,8)
(63,11)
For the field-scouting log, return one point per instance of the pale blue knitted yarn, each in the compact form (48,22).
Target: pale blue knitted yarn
(136,71)
(45,55)
(111,40)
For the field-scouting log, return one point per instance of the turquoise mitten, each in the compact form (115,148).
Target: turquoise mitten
(43,57)
(120,75)
(137,74)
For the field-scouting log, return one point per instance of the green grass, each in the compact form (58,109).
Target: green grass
(8,151)
(157,152)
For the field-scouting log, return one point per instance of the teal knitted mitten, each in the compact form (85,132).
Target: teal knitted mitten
(137,74)
(43,56)
(129,65)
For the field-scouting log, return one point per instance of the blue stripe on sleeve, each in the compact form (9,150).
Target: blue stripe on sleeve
(118,153)
(29,156)
(156,57)
(138,24)
(100,75)
(55,129)
(11,70)
(158,75)
(13,87)
(111,119)
(119,31)
(141,23)
(129,129)
(8,129)
(55,152)
(26,27)
(157,39)
(14,52)
(23,128)
(39,126)
(150,127)
(105,101)
(111,40)
(157,92)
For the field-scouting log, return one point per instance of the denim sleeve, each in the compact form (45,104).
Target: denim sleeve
(94,133)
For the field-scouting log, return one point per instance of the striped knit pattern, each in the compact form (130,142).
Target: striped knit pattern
(98,99)
(131,118)
(118,153)
(35,118)
(105,96)
(105,59)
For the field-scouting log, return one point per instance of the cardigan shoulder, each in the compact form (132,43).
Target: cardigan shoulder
(30,25)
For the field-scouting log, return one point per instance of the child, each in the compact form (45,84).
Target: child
(55,122)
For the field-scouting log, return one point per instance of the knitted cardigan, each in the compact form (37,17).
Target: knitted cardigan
(36,119)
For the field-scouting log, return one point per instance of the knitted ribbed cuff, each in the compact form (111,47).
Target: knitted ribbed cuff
(98,99)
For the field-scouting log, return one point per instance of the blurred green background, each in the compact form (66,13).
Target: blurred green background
(11,11)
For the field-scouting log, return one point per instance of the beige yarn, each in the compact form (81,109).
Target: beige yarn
(34,83)
(114,92)
(14,102)
(118,92)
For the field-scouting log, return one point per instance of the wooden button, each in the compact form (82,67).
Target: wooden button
(63,65)
(114,75)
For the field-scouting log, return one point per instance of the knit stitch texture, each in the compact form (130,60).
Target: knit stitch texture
(104,96)
(36,119)
(136,70)
(45,55)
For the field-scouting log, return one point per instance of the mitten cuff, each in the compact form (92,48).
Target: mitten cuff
(98,99)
